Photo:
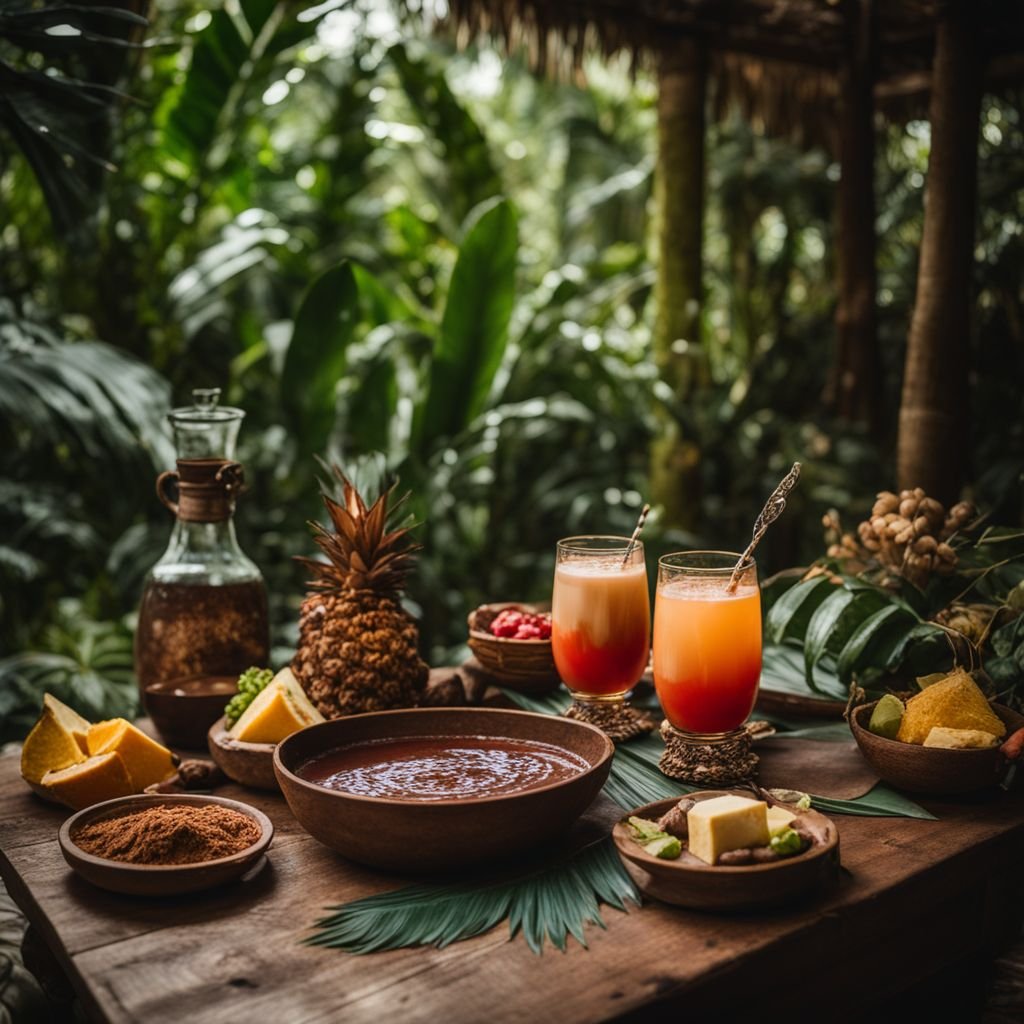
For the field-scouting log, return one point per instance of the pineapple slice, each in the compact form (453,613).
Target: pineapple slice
(93,780)
(56,741)
(954,703)
(146,760)
(280,709)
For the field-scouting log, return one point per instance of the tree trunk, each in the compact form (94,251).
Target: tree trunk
(853,390)
(679,196)
(932,449)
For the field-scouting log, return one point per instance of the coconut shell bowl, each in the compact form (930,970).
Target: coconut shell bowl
(424,836)
(933,771)
(248,764)
(527,666)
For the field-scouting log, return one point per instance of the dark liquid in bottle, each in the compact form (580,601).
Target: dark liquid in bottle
(198,629)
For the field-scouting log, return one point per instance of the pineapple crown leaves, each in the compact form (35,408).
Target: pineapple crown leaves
(369,547)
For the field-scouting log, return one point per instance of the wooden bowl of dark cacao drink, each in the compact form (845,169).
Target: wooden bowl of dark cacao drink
(153,879)
(527,666)
(184,709)
(430,789)
(934,771)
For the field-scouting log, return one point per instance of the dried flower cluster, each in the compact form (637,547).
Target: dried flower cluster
(907,533)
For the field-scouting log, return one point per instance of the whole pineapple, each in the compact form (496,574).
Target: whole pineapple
(357,645)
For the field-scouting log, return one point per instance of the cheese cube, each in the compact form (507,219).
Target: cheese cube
(726,823)
(959,739)
(779,819)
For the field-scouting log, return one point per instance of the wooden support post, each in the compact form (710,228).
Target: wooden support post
(854,391)
(679,196)
(932,448)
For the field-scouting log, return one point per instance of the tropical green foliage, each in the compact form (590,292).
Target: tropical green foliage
(425,262)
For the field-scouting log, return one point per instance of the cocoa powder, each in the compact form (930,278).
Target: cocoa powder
(169,834)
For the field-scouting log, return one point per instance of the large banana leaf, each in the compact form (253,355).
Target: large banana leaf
(466,175)
(56,120)
(226,52)
(858,629)
(474,329)
(317,354)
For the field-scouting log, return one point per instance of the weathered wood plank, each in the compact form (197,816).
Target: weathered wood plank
(916,897)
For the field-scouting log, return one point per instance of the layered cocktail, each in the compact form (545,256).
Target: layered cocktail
(707,642)
(600,617)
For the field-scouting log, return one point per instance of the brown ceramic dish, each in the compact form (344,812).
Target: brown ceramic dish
(689,882)
(160,880)
(931,770)
(248,764)
(527,666)
(422,836)
(184,709)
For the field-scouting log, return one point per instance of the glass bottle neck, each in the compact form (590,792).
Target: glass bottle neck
(204,553)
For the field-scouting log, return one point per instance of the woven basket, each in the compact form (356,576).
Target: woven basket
(524,665)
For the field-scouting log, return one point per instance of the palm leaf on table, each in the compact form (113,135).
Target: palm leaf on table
(636,779)
(547,905)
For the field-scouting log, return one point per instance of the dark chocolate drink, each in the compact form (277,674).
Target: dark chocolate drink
(442,767)
(191,629)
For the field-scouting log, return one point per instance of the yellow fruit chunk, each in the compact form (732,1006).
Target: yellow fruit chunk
(960,739)
(95,779)
(779,819)
(57,740)
(146,760)
(954,703)
(280,709)
(726,823)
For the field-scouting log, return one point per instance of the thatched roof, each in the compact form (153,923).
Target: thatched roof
(774,60)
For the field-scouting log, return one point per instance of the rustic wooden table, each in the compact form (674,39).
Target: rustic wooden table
(916,899)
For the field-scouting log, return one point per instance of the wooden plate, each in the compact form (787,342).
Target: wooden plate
(165,879)
(689,882)
(931,770)
(778,702)
(248,764)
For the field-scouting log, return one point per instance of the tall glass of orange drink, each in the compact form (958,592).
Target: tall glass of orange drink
(707,643)
(600,617)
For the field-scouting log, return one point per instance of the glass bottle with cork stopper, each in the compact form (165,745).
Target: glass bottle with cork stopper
(204,605)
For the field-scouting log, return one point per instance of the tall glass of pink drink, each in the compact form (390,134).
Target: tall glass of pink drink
(600,617)
(707,642)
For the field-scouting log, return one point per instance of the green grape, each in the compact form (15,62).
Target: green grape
(250,683)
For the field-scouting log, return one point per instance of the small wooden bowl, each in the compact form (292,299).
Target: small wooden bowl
(184,709)
(689,882)
(437,835)
(248,764)
(527,666)
(160,879)
(931,770)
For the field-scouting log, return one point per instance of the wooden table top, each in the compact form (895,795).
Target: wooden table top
(916,897)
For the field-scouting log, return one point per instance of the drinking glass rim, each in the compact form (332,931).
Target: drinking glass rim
(722,570)
(622,542)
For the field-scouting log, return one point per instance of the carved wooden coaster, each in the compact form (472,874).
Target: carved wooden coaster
(725,761)
(618,721)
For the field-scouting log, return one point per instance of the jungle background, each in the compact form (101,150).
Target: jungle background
(275,198)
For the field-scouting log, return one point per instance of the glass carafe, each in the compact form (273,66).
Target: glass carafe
(204,605)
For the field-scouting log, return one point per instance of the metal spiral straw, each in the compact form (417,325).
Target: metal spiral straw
(636,533)
(773,508)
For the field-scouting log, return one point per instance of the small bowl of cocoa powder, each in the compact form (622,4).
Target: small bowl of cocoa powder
(165,844)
